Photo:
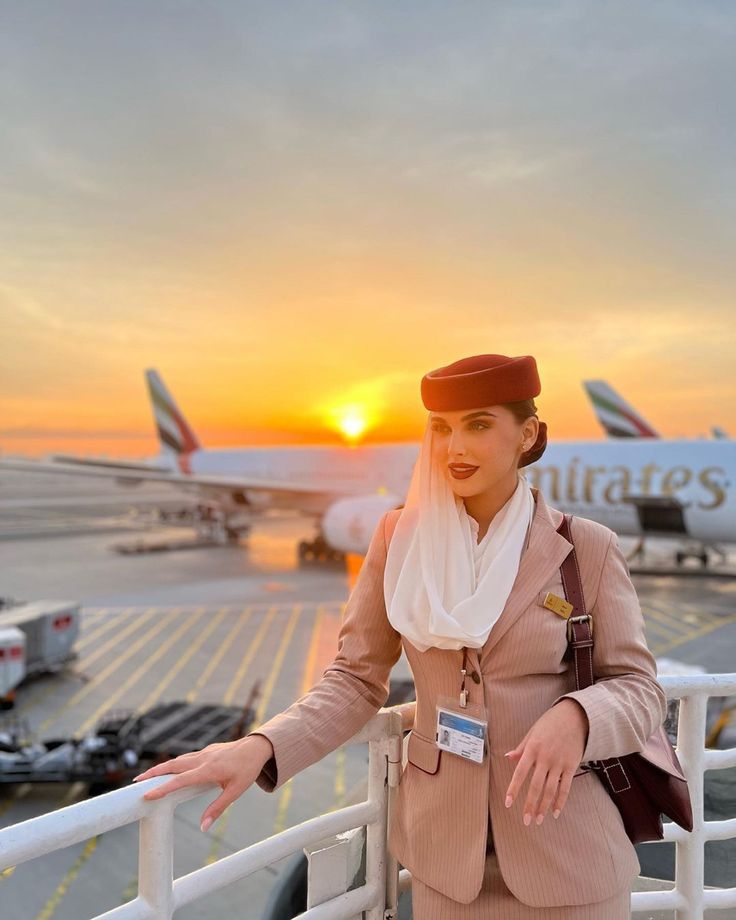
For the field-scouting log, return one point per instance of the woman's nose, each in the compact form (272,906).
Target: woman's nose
(455,448)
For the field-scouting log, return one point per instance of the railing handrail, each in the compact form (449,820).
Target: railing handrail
(160,894)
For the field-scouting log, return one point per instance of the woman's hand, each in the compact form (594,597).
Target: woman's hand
(553,747)
(234,765)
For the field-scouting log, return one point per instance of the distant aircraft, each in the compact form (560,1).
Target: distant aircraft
(680,488)
(619,419)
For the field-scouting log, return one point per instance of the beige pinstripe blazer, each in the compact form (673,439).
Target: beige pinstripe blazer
(440,823)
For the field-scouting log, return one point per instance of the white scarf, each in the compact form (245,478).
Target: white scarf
(432,595)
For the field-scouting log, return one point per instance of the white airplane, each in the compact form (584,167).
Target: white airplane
(680,488)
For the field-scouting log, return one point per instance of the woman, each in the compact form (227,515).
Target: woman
(459,577)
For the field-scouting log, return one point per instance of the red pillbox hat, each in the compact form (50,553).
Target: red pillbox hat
(481,380)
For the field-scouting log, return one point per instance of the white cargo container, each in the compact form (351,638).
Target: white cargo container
(50,628)
(12,663)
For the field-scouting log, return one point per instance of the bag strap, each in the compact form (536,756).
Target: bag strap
(579,623)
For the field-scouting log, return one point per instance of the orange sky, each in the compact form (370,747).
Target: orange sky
(286,222)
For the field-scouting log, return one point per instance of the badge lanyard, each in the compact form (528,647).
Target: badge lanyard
(461,723)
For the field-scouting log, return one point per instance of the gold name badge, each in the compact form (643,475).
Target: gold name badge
(558,605)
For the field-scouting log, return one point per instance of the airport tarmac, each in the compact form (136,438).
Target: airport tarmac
(204,624)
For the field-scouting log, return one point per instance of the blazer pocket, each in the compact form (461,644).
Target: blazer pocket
(423,753)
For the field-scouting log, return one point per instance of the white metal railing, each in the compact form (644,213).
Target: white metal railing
(159,894)
(689,897)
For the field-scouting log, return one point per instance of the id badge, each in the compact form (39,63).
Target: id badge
(461,731)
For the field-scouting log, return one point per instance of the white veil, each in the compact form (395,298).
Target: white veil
(430,588)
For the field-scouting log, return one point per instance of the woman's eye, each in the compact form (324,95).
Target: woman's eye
(471,425)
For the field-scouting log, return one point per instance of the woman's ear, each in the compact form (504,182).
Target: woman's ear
(530,430)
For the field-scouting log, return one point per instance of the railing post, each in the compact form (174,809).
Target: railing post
(376,833)
(395,769)
(156,861)
(690,853)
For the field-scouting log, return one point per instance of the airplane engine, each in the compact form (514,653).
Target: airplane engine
(348,524)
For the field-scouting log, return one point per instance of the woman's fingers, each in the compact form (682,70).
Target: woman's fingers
(519,775)
(550,790)
(176,765)
(188,778)
(216,808)
(535,791)
(562,791)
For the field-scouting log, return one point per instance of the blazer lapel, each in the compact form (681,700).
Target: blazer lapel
(543,556)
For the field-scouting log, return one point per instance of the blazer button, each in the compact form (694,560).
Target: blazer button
(475,676)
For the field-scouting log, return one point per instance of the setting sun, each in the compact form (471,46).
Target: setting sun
(350,421)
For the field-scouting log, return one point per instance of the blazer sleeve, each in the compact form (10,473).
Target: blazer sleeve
(626,704)
(353,687)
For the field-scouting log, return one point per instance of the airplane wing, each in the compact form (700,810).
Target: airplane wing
(133,473)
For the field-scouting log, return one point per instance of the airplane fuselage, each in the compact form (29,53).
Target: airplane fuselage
(588,478)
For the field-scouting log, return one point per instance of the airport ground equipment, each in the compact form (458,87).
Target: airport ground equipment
(121,745)
(51,628)
(12,663)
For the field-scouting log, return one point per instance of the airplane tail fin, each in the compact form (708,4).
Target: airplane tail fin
(174,432)
(618,418)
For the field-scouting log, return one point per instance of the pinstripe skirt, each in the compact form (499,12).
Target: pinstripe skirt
(496,902)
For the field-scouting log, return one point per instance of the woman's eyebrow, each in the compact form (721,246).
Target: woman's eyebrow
(437,418)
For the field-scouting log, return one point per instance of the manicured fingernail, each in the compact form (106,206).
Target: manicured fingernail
(509,800)
(556,813)
(135,777)
(540,818)
(206,824)
(527,820)
(507,753)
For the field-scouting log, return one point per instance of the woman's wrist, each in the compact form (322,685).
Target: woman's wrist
(261,747)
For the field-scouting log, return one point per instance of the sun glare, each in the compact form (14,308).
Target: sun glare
(351,421)
(352,425)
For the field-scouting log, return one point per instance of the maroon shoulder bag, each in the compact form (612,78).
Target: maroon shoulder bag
(643,785)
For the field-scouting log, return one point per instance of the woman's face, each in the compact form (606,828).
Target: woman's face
(488,438)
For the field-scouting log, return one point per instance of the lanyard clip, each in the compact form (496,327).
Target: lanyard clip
(463,691)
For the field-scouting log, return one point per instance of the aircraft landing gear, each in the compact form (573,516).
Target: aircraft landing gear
(702,555)
(318,550)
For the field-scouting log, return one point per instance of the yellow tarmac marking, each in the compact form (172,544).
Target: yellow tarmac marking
(671,622)
(137,624)
(50,907)
(245,664)
(120,660)
(143,669)
(658,628)
(339,776)
(156,693)
(218,656)
(286,790)
(285,793)
(42,694)
(277,664)
(695,634)
(90,636)
(307,681)
(257,720)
